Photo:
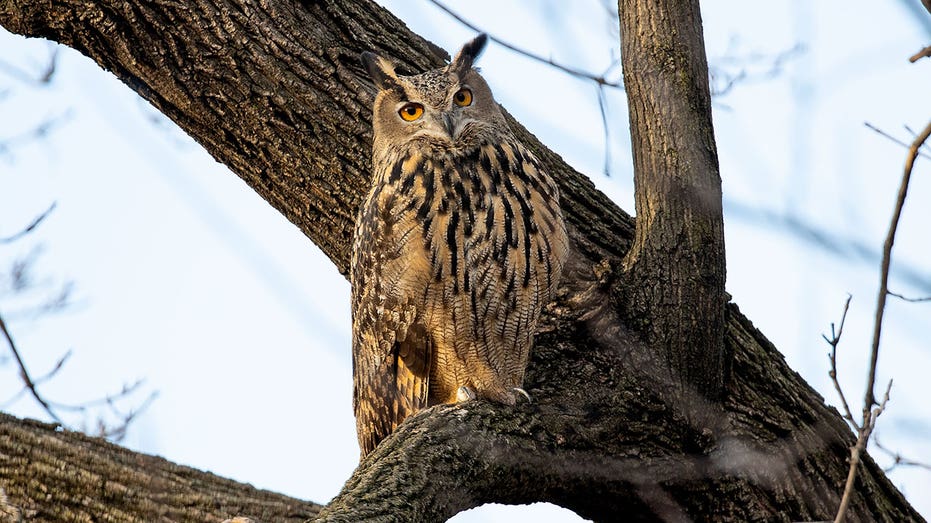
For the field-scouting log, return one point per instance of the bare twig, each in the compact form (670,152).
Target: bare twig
(912,300)
(115,432)
(898,458)
(29,228)
(600,80)
(869,423)
(118,432)
(42,78)
(870,400)
(833,341)
(893,138)
(924,53)
(37,133)
(39,381)
(104,401)
(723,80)
(870,414)
(603,107)
(24,374)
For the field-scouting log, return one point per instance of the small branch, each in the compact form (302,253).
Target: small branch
(115,432)
(723,80)
(43,78)
(870,400)
(603,107)
(24,374)
(833,342)
(870,414)
(39,132)
(905,298)
(924,53)
(118,432)
(869,423)
(29,228)
(893,138)
(898,459)
(600,80)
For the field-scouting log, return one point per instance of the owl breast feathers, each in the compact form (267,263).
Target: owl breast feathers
(458,245)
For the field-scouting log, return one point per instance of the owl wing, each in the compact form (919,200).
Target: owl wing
(516,253)
(390,346)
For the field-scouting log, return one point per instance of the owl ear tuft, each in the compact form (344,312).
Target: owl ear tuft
(381,70)
(469,54)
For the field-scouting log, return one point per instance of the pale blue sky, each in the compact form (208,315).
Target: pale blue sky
(186,278)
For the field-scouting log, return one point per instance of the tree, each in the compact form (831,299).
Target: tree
(655,398)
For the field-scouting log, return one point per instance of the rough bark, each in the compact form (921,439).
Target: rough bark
(673,289)
(48,474)
(274,89)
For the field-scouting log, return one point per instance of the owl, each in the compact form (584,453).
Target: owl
(458,245)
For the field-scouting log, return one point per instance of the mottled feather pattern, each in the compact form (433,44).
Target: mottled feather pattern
(458,245)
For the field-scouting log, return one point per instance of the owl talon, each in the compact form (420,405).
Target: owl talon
(523,393)
(464,394)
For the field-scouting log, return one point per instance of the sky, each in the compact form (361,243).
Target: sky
(183,277)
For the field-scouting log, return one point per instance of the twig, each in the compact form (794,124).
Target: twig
(871,414)
(898,459)
(924,53)
(39,381)
(603,107)
(893,138)
(905,298)
(43,78)
(870,400)
(39,132)
(24,374)
(723,81)
(29,228)
(869,423)
(106,400)
(118,432)
(833,342)
(600,80)
(923,149)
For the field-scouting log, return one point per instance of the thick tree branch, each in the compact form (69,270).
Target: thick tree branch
(674,288)
(50,474)
(274,89)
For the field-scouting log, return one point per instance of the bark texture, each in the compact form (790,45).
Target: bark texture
(674,273)
(47,474)
(274,89)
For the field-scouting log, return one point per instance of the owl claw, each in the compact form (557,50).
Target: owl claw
(464,394)
(523,393)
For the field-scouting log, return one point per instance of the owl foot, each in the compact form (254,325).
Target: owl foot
(523,393)
(464,394)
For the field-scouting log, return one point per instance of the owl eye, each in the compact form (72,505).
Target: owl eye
(411,112)
(463,97)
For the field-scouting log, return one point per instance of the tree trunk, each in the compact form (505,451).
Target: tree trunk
(673,288)
(275,90)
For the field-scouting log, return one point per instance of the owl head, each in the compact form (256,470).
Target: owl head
(450,108)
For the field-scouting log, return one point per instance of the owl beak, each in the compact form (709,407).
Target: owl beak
(451,124)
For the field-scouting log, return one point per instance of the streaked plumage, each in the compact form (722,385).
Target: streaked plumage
(458,245)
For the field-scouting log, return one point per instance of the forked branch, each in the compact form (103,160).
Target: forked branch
(872,409)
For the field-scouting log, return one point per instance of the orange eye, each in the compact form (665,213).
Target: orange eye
(411,112)
(463,97)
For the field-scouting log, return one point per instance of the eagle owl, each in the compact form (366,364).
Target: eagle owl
(458,245)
